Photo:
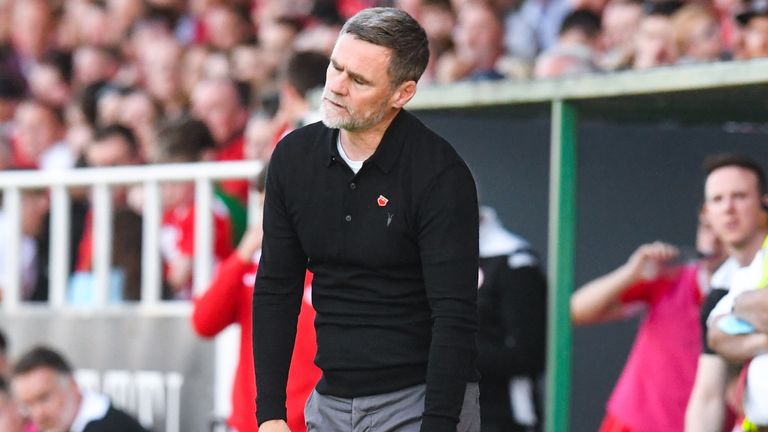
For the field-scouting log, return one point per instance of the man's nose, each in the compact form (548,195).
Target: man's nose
(337,84)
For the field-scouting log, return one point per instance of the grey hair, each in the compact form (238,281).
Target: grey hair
(394,29)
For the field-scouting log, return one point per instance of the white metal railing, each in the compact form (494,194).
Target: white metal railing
(101,181)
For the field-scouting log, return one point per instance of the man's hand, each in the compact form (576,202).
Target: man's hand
(274,426)
(646,262)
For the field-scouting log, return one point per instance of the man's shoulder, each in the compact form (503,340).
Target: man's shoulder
(429,152)
(115,420)
(305,137)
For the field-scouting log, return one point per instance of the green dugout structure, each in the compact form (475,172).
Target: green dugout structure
(729,98)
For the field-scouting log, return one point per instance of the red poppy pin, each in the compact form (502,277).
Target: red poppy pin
(382,200)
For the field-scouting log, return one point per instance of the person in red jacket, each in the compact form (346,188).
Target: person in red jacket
(228,301)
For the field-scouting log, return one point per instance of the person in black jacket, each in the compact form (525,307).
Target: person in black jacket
(43,385)
(512,303)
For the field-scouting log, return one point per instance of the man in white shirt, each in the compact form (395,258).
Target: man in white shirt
(735,201)
(43,385)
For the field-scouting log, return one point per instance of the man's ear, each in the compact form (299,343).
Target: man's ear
(403,94)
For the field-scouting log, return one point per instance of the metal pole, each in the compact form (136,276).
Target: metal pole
(562,229)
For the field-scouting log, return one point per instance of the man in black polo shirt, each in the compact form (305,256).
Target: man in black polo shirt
(384,213)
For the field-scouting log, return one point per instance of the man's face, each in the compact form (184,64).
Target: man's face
(50,399)
(216,104)
(37,129)
(111,151)
(732,205)
(756,38)
(358,94)
(10,416)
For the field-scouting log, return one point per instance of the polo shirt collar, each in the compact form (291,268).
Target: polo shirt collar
(389,148)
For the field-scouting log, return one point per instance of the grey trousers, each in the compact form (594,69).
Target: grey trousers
(399,411)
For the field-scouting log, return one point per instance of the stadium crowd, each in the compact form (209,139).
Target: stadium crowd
(109,82)
(104,83)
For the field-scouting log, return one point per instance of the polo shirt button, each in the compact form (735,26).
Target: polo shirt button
(353,186)
(348,218)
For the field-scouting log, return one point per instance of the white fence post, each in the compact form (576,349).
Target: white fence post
(204,234)
(151,270)
(102,243)
(60,226)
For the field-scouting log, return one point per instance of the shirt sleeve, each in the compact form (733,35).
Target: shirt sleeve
(714,296)
(448,244)
(276,297)
(724,306)
(644,291)
(219,306)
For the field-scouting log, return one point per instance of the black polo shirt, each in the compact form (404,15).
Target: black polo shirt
(394,252)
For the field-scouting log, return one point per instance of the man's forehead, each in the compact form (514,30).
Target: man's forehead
(730,176)
(355,53)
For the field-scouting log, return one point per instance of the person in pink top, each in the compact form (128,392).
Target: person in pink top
(669,339)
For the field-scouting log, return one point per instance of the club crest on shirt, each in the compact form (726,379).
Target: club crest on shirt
(382,201)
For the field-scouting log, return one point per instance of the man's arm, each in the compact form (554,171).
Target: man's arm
(752,306)
(276,297)
(600,299)
(706,406)
(448,243)
(736,348)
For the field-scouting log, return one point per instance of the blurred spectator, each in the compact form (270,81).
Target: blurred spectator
(44,386)
(34,206)
(228,301)
(183,141)
(276,37)
(160,65)
(438,20)
(304,72)
(576,50)
(620,21)
(32,30)
(654,40)
(5,361)
(113,145)
(38,141)
(217,102)
(730,33)
(512,304)
(534,27)
(478,45)
(754,25)
(247,66)
(50,79)
(226,26)
(669,339)
(320,33)
(11,417)
(11,94)
(93,64)
(141,113)
(697,34)
(260,133)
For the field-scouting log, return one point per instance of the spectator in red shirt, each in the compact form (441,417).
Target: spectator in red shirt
(183,141)
(228,301)
(217,102)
